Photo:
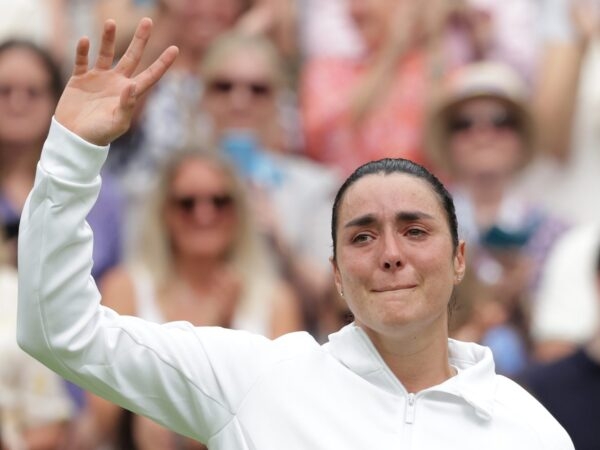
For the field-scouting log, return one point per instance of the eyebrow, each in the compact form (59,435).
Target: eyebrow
(402,216)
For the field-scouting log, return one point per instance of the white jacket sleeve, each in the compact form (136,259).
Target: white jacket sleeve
(189,379)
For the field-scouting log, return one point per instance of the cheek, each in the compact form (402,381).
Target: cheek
(356,273)
(513,148)
(214,105)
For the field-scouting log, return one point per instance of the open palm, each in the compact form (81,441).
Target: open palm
(97,103)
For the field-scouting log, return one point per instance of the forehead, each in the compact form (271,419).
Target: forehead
(388,194)
(480,105)
(243,61)
(22,63)
(197,173)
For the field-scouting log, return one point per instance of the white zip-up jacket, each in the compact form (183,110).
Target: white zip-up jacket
(231,389)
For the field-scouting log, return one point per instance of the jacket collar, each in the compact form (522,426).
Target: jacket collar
(475,382)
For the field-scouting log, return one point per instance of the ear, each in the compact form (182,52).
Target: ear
(337,278)
(459,262)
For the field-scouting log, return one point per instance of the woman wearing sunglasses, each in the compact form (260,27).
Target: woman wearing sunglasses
(198,258)
(481,135)
(249,105)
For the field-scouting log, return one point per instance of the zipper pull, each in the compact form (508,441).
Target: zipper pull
(410,409)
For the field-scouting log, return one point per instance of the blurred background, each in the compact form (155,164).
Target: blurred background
(215,206)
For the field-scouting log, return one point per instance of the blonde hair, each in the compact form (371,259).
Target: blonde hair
(247,255)
(230,42)
(277,133)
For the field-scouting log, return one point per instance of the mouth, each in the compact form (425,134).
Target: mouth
(395,288)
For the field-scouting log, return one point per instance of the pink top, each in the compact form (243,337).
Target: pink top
(393,128)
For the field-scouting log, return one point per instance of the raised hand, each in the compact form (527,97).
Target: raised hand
(97,104)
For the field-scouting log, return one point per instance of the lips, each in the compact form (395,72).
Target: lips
(392,288)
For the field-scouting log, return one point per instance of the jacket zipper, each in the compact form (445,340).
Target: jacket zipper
(410,409)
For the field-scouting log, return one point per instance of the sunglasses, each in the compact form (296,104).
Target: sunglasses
(187,203)
(225,86)
(498,121)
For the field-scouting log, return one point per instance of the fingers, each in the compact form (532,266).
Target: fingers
(107,46)
(152,74)
(81,56)
(130,60)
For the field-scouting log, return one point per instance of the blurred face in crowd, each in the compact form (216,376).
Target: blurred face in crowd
(201,213)
(241,91)
(26,100)
(396,264)
(199,22)
(372,19)
(485,138)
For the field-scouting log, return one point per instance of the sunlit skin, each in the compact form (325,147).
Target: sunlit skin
(205,233)
(396,266)
(372,19)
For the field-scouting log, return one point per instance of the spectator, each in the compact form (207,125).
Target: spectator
(481,135)
(168,117)
(35,407)
(245,82)
(30,83)
(198,259)
(565,312)
(567,101)
(570,387)
(359,109)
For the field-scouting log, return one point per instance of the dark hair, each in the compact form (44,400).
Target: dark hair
(397,165)
(51,66)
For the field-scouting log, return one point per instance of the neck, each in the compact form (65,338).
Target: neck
(418,361)
(487,194)
(17,171)
(485,188)
(198,271)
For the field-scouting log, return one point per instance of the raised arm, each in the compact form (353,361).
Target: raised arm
(556,92)
(173,373)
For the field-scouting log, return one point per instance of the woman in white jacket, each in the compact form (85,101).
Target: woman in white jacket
(392,379)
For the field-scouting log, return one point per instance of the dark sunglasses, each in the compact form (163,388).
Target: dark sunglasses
(500,121)
(256,88)
(187,203)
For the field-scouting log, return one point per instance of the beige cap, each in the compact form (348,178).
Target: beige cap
(478,80)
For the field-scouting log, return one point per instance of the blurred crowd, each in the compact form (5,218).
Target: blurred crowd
(215,206)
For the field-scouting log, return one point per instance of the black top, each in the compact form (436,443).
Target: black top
(570,390)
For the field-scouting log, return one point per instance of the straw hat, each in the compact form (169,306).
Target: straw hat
(478,80)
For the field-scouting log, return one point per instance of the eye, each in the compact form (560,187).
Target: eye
(361,238)
(416,232)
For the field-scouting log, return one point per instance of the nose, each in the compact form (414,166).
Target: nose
(241,98)
(392,257)
(18,99)
(204,213)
